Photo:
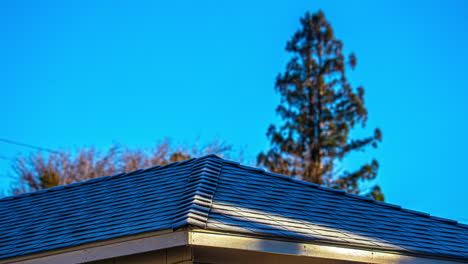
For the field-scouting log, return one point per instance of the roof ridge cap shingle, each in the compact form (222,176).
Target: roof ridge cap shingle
(342,192)
(200,186)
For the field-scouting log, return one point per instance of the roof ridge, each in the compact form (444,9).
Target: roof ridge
(199,189)
(102,178)
(342,192)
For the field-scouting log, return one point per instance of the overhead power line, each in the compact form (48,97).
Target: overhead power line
(5,158)
(28,145)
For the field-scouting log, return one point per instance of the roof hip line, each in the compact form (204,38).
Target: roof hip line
(200,189)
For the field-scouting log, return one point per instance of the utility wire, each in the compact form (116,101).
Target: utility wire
(5,158)
(28,146)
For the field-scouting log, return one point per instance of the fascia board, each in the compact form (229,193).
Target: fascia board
(106,249)
(222,240)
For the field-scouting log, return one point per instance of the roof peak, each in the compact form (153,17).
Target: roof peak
(200,186)
(107,177)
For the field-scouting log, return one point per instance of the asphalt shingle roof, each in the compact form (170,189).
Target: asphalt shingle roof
(216,194)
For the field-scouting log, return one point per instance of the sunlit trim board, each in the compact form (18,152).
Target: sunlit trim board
(213,239)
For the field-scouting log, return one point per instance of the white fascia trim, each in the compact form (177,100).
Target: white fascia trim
(107,249)
(220,240)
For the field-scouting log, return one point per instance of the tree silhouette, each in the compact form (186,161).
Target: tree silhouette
(319,108)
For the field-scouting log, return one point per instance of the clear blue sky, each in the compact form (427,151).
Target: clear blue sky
(89,73)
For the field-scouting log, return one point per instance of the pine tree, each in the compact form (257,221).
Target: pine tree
(319,108)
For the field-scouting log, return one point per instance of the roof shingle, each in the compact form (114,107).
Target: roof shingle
(216,194)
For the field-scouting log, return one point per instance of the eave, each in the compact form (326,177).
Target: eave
(153,241)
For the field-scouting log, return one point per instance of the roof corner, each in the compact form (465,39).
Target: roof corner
(200,187)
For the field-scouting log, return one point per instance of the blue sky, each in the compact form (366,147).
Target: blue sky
(90,73)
